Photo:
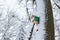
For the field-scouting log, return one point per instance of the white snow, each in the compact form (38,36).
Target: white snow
(39,35)
(56,13)
(21,13)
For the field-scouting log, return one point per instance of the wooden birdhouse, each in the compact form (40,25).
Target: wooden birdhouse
(35,20)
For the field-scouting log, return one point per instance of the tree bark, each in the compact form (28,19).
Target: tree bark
(50,21)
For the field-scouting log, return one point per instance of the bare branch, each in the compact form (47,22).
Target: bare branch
(56,4)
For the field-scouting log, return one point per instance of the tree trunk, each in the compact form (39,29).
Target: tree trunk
(50,22)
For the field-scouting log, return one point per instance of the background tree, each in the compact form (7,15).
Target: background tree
(50,22)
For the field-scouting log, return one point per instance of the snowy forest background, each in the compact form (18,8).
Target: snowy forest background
(15,23)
